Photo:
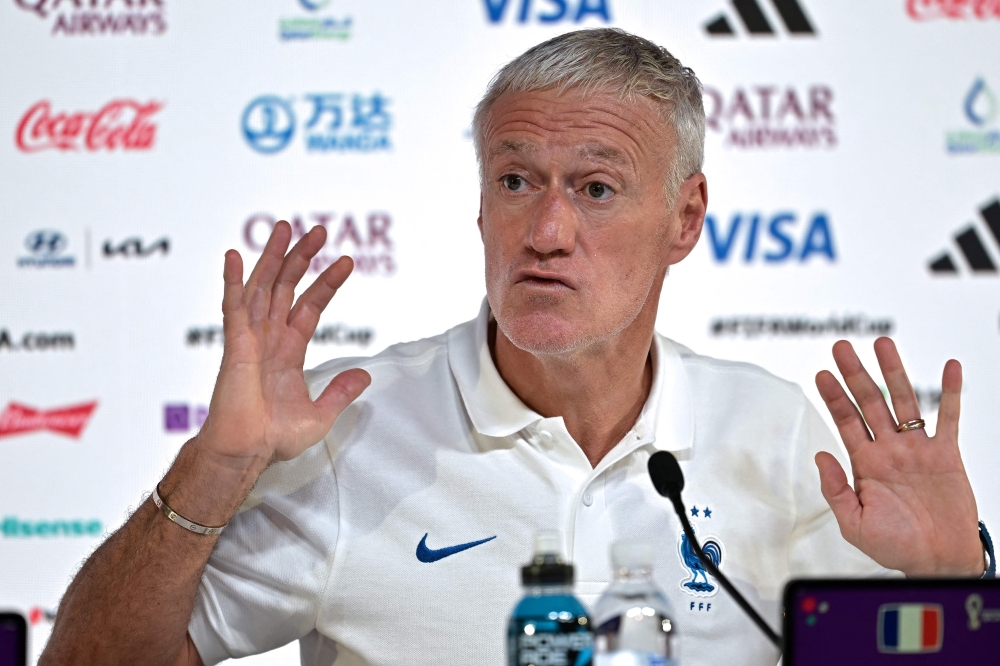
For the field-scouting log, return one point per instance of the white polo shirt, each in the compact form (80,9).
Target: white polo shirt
(330,548)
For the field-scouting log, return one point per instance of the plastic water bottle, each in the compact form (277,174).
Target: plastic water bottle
(549,626)
(633,620)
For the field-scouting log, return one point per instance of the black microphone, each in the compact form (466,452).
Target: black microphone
(668,479)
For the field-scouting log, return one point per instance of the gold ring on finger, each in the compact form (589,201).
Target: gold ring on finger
(915,424)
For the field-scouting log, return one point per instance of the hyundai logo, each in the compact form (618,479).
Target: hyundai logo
(45,242)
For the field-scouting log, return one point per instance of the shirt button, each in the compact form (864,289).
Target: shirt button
(546,437)
(588,499)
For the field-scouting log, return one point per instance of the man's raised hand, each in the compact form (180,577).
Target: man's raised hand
(912,506)
(261,410)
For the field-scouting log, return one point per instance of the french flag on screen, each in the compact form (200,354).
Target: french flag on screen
(910,628)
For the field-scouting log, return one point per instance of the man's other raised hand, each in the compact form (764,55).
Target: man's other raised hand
(912,507)
(261,410)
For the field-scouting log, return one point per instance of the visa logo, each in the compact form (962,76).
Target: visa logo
(781,237)
(546,11)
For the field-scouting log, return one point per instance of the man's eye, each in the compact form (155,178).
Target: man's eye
(599,191)
(513,183)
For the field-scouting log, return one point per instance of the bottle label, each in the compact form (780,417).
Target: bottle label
(553,649)
(632,658)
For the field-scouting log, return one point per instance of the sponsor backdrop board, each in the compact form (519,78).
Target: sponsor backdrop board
(853,160)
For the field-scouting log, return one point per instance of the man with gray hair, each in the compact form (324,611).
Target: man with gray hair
(396,539)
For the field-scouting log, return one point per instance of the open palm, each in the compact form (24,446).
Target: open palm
(261,410)
(912,507)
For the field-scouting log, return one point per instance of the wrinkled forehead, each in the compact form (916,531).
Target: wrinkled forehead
(593,150)
(604,126)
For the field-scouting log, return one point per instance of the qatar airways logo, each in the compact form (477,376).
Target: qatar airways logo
(928,10)
(769,116)
(121,124)
(100,17)
(19,419)
(366,238)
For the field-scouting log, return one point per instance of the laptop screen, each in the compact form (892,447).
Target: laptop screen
(919,621)
(13,631)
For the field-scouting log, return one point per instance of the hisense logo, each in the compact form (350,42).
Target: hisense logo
(13,528)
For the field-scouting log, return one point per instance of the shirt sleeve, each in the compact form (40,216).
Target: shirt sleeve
(816,547)
(262,586)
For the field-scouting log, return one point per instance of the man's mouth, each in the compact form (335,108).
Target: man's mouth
(548,280)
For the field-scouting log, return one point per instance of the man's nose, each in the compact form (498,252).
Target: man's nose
(554,224)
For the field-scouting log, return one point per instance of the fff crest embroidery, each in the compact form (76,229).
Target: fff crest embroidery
(699,583)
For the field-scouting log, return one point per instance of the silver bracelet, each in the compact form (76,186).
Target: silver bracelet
(181,520)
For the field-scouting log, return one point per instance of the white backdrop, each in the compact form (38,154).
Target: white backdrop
(850,146)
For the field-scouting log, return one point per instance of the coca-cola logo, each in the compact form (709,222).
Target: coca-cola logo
(924,10)
(70,421)
(122,124)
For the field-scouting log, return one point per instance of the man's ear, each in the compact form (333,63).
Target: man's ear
(689,213)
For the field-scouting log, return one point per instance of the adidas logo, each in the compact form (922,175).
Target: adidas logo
(756,21)
(971,245)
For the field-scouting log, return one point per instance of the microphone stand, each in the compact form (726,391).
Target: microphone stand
(714,570)
(668,479)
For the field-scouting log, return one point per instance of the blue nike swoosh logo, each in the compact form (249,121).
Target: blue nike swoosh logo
(425,554)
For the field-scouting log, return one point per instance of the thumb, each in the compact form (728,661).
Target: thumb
(342,391)
(840,496)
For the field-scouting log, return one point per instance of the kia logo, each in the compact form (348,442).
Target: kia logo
(45,242)
(134,247)
(268,124)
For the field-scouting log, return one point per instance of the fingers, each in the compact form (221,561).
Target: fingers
(292,269)
(951,390)
(258,288)
(342,391)
(865,391)
(904,400)
(840,496)
(234,313)
(846,416)
(306,313)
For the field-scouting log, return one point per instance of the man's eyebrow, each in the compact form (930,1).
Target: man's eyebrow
(601,151)
(508,146)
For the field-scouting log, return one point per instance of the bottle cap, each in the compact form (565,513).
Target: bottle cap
(631,555)
(548,542)
(548,566)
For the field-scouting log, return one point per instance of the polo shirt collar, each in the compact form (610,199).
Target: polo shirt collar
(669,410)
(666,420)
(494,409)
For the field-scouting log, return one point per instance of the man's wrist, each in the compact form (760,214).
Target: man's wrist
(988,555)
(206,487)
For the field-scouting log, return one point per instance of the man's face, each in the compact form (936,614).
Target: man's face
(574,218)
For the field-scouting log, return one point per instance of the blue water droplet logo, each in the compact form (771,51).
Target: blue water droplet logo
(980,104)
